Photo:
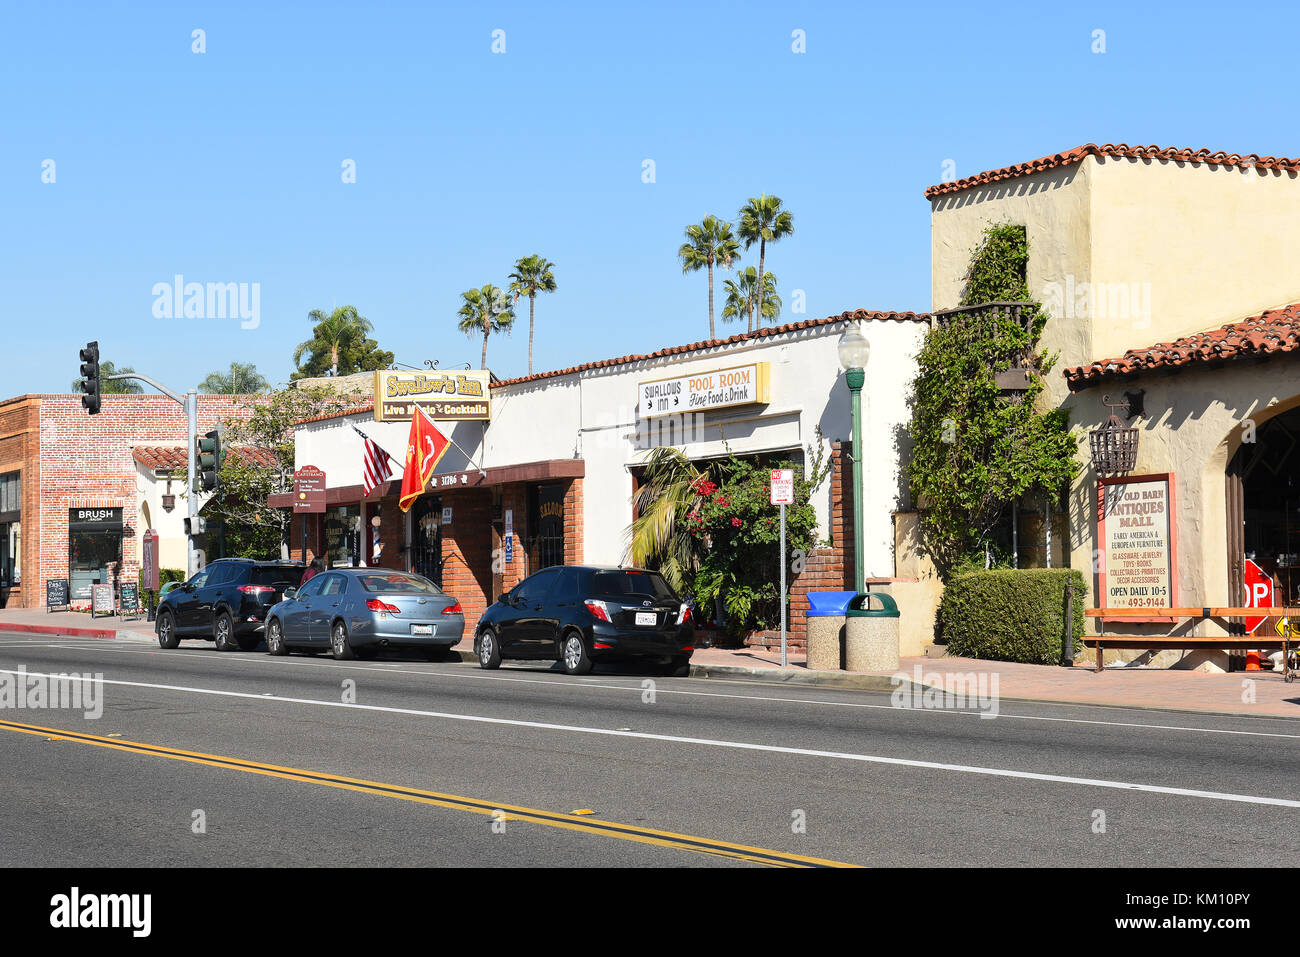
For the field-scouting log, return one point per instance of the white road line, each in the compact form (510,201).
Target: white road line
(386,668)
(714,743)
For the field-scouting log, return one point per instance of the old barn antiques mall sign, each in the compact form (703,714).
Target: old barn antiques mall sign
(707,389)
(454,396)
(1135,526)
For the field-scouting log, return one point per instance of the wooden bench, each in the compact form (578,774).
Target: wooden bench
(1196,615)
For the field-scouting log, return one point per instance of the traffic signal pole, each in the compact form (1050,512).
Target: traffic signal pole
(190,402)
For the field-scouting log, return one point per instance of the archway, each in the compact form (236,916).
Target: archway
(1263,506)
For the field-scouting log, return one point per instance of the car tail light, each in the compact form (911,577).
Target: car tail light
(453,610)
(376,605)
(598,609)
(258,590)
(685,616)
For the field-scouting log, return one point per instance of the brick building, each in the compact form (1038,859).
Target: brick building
(84,488)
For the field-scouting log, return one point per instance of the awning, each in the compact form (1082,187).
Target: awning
(549,470)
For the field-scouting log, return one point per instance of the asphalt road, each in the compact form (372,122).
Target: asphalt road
(206,759)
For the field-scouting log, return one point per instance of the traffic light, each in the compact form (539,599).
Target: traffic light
(211,457)
(90,377)
(198,525)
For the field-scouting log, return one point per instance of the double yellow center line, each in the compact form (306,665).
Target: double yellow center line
(571,822)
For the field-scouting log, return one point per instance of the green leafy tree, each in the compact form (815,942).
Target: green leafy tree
(660,534)
(260,463)
(340,344)
(532,275)
(120,387)
(976,449)
(740,297)
(709,243)
(242,379)
(483,312)
(763,221)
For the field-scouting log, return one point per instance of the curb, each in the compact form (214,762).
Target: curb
(784,676)
(61,632)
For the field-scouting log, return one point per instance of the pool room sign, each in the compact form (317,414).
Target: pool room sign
(704,390)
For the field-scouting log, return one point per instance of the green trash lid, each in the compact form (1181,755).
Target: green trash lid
(859,606)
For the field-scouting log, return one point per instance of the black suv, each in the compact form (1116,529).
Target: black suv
(227,603)
(580,614)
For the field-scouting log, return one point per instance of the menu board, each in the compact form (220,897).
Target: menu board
(130,598)
(56,593)
(1135,530)
(101,598)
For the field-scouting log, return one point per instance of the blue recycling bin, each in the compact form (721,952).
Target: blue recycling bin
(827,612)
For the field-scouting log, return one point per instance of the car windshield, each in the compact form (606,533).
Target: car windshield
(395,583)
(616,583)
(278,577)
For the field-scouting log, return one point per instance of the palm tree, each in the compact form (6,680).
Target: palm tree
(762,220)
(740,297)
(532,275)
(661,534)
(242,379)
(335,332)
(485,310)
(120,387)
(712,241)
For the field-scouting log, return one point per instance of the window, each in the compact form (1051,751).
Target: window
(343,535)
(617,583)
(278,577)
(312,587)
(334,585)
(566,586)
(396,583)
(535,588)
(11,493)
(11,554)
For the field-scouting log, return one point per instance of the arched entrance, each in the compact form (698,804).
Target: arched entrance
(1263,507)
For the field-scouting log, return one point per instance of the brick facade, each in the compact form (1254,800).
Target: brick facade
(70,459)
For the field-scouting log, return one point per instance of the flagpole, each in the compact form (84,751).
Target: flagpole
(481,470)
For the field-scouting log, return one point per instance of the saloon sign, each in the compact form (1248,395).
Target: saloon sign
(449,396)
(707,389)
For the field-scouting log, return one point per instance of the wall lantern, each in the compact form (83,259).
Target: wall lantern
(1115,445)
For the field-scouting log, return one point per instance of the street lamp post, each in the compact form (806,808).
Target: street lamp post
(854,351)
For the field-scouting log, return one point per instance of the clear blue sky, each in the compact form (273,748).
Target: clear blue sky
(225,166)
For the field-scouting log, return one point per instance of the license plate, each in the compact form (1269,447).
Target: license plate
(646,618)
(422,629)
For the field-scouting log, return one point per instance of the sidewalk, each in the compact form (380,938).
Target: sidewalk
(1119,687)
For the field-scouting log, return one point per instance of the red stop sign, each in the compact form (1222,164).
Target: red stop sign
(1259,593)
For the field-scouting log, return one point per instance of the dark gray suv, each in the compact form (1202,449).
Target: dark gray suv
(227,603)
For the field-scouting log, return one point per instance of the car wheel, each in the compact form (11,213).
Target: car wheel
(167,637)
(339,643)
(576,659)
(489,652)
(223,630)
(275,639)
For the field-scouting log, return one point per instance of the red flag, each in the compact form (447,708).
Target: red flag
(424,448)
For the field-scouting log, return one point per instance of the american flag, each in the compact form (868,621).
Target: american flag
(377,464)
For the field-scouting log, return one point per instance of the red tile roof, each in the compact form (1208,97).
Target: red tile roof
(175,457)
(1271,333)
(763,333)
(1078,154)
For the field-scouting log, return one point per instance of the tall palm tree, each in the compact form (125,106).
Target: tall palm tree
(485,311)
(532,275)
(740,297)
(242,379)
(119,387)
(710,242)
(762,220)
(334,332)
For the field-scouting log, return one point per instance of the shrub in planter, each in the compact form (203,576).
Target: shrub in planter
(1010,614)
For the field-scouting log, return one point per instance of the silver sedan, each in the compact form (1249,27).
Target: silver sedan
(353,612)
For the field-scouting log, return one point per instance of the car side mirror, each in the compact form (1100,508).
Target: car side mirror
(504,598)
(290,594)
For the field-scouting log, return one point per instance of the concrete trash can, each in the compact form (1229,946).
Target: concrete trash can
(871,634)
(826,629)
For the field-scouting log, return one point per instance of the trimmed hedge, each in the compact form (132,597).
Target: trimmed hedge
(1011,614)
